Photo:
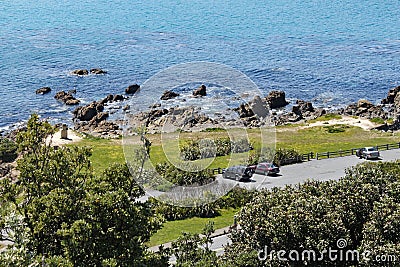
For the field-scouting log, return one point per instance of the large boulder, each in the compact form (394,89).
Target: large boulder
(201,91)
(391,96)
(132,89)
(97,71)
(87,113)
(276,99)
(302,107)
(168,95)
(80,72)
(67,98)
(43,90)
(363,103)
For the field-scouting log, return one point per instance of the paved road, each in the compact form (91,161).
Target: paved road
(322,170)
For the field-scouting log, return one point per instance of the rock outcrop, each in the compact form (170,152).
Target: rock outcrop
(391,96)
(92,120)
(97,71)
(365,109)
(112,98)
(276,99)
(80,72)
(88,112)
(132,89)
(67,98)
(168,95)
(43,90)
(201,91)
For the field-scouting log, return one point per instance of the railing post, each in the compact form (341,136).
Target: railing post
(316,155)
(328,154)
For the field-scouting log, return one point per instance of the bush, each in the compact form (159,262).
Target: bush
(284,156)
(336,128)
(8,150)
(184,178)
(194,150)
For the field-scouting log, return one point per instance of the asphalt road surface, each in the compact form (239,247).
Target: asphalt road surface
(321,170)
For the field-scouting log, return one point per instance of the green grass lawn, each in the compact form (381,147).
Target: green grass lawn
(315,139)
(173,229)
(104,152)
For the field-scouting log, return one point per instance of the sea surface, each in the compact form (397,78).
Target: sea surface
(330,52)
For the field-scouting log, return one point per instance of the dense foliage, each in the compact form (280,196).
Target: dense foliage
(207,148)
(235,198)
(181,177)
(61,214)
(8,150)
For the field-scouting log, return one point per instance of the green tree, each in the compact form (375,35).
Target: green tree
(193,250)
(61,214)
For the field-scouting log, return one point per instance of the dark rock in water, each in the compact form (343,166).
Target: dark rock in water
(127,107)
(87,113)
(132,89)
(201,91)
(168,95)
(390,99)
(276,99)
(244,111)
(156,105)
(302,107)
(72,102)
(118,98)
(43,90)
(73,91)
(80,72)
(66,98)
(107,99)
(97,71)
(102,116)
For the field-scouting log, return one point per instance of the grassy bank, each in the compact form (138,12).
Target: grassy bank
(172,230)
(304,140)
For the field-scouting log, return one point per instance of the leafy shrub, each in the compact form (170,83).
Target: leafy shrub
(173,212)
(8,150)
(285,156)
(336,128)
(190,151)
(377,120)
(194,150)
(182,177)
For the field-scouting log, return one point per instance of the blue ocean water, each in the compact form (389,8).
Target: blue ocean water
(331,52)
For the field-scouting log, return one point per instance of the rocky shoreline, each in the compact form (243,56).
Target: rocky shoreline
(94,118)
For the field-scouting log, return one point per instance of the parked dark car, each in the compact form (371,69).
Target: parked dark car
(265,168)
(238,173)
